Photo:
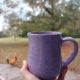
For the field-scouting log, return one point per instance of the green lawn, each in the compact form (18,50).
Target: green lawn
(9,47)
(13,40)
(19,40)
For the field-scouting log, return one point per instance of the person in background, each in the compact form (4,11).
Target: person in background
(29,76)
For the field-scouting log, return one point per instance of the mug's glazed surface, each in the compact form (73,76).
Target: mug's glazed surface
(44,57)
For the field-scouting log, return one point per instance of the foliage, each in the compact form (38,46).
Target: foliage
(53,15)
(2,34)
(59,16)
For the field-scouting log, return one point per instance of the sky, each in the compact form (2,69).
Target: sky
(1,22)
(8,10)
(17,10)
(3,25)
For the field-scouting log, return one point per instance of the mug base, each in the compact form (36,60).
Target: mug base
(48,79)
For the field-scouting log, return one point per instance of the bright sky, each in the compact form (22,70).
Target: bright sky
(9,10)
(1,22)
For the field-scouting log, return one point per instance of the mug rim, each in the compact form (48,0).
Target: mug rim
(45,33)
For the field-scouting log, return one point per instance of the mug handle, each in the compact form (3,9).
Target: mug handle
(74,52)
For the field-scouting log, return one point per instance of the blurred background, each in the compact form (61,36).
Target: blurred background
(17,17)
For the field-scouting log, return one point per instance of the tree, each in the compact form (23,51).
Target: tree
(46,15)
(65,14)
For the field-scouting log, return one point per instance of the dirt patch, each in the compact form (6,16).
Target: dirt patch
(10,50)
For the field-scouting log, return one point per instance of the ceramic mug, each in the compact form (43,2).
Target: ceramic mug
(44,56)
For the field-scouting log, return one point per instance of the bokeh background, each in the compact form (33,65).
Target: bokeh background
(17,17)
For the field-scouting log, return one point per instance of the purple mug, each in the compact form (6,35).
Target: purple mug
(44,58)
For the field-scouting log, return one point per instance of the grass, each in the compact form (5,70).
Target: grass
(77,39)
(9,47)
(13,40)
